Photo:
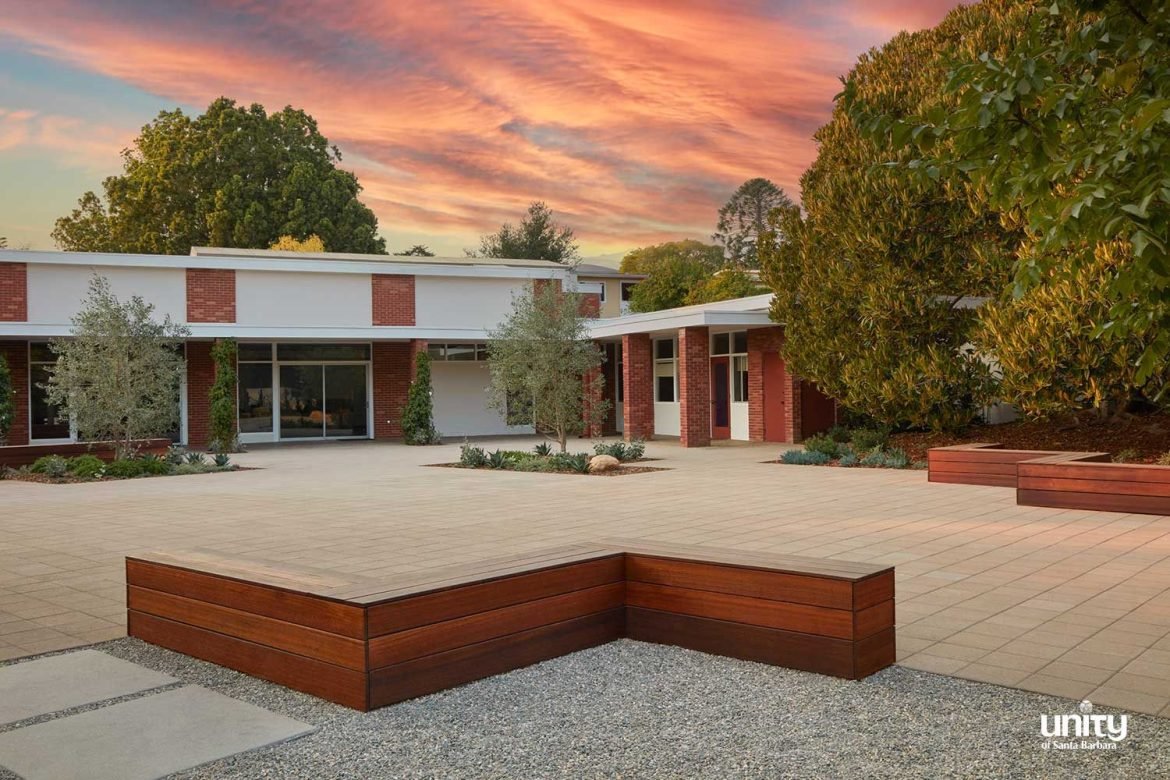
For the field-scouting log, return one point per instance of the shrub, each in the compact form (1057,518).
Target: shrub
(154,465)
(51,466)
(822,444)
(418,419)
(543,449)
(1127,455)
(221,460)
(804,458)
(623,451)
(196,459)
(869,439)
(472,457)
(7,407)
(848,460)
(126,468)
(190,468)
(87,466)
(1163,459)
(839,434)
(499,460)
(222,414)
(175,455)
(887,459)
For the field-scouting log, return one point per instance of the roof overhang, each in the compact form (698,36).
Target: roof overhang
(751,312)
(37,331)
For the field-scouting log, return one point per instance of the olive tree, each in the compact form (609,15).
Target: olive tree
(545,370)
(117,376)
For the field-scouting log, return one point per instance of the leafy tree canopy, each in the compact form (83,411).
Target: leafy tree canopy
(418,250)
(544,363)
(744,218)
(233,176)
(868,282)
(672,270)
(289,244)
(537,237)
(725,285)
(1067,133)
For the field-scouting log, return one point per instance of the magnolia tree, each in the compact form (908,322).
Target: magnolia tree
(118,375)
(545,369)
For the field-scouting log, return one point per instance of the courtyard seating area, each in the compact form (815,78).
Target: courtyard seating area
(1071,603)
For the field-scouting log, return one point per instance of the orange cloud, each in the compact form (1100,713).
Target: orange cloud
(634,120)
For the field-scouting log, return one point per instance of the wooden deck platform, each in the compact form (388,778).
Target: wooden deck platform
(988,464)
(367,643)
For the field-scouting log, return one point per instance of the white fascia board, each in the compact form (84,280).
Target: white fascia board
(244,332)
(621,326)
(104,259)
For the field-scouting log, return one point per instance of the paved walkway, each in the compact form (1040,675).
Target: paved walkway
(1071,603)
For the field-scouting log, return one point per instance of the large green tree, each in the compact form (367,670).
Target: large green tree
(871,281)
(744,218)
(537,237)
(1067,133)
(233,176)
(673,270)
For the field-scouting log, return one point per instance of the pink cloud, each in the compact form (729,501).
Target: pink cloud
(633,120)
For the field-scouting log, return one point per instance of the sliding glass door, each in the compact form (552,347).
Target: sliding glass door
(319,401)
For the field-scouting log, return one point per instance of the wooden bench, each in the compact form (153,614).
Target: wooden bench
(986,463)
(367,643)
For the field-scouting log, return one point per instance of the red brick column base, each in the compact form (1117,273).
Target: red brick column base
(638,381)
(200,378)
(16,354)
(694,384)
(393,367)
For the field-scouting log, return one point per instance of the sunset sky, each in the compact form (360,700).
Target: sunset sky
(633,119)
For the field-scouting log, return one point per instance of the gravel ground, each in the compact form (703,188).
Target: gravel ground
(634,710)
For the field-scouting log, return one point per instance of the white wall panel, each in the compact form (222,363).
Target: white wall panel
(459,302)
(666,418)
(461,401)
(739,421)
(303,299)
(56,292)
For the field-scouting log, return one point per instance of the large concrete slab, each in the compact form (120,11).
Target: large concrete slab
(61,682)
(143,738)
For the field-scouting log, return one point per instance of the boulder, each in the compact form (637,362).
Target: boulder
(599,463)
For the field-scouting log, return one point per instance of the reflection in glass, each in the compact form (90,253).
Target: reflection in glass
(255,401)
(302,411)
(345,401)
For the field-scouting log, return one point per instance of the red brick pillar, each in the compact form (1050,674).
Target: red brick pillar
(16,354)
(694,387)
(416,346)
(589,305)
(762,341)
(392,367)
(13,292)
(638,386)
(200,377)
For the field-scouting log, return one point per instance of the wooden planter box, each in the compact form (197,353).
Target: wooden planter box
(986,464)
(367,643)
(27,454)
(1072,482)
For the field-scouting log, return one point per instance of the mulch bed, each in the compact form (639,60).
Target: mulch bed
(620,471)
(1148,435)
(45,479)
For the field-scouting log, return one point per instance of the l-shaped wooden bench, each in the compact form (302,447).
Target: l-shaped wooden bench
(367,643)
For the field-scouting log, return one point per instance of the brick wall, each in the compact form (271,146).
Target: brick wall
(694,384)
(16,353)
(761,341)
(211,295)
(393,299)
(13,292)
(638,378)
(392,367)
(589,305)
(200,377)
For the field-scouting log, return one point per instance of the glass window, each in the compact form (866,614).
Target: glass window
(664,381)
(436,351)
(739,343)
(664,349)
(461,352)
(722,344)
(255,397)
(481,351)
(48,421)
(627,290)
(295,352)
(739,368)
(252,353)
(602,294)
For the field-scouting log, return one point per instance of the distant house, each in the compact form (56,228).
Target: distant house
(327,344)
(613,287)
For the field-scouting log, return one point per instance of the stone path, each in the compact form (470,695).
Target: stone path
(1070,603)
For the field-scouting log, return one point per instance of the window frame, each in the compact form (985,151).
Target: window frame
(673,362)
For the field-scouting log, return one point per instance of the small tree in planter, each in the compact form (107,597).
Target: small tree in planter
(118,376)
(418,420)
(7,409)
(222,423)
(539,358)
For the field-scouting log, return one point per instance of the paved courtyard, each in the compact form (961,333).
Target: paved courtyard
(1069,603)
